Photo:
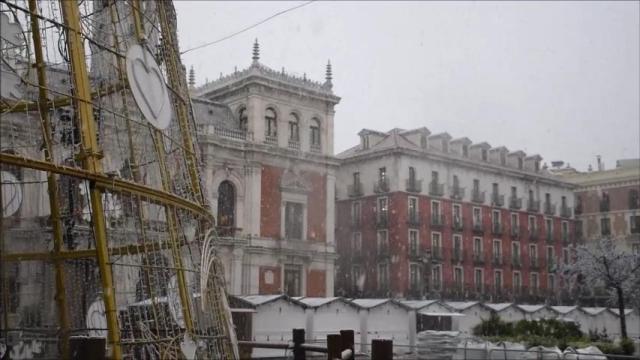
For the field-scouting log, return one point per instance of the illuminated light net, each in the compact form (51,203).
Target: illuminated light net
(103,222)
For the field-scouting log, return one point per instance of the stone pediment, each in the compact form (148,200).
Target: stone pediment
(293,181)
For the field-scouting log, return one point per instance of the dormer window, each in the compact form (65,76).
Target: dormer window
(365,141)
(537,166)
(484,155)
(423,141)
(465,150)
(520,163)
(271,124)
(294,132)
(503,159)
(243,119)
(445,146)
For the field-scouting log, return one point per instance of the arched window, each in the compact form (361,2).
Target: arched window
(271,124)
(226,207)
(294,132)
(315,134)
(243,119)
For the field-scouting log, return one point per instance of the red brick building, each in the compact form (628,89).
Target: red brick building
(269,174)
(421,215)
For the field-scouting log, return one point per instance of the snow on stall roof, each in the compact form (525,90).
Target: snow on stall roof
(617,312)
(498,307)
(531,308)
(314,302)
(369,303)
(258,300)
(434,313)
(593,310)
(417,304)
(563,309)
(460,305)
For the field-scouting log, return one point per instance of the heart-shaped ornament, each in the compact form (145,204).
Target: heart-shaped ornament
(148,87)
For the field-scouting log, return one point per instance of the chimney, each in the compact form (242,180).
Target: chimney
(600,165)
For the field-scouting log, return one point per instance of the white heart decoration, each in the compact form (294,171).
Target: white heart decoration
(148,87)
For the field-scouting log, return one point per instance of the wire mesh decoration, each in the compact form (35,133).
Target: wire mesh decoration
(104,227)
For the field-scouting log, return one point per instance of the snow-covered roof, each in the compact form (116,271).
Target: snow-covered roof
(530,308)
(314,302)
(417,304)
(257,300)
(593,310)
(617,312)
(498,307)
(435,313)
(369,303)
(460,305)
(563,309)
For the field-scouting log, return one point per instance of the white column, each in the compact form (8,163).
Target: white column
(309,324)
(364,330)
(236,271)
(331,209)
(252,196)
(412,330)
(329,278)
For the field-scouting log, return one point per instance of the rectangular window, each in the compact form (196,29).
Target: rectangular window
(476,186)
(533,254)
(413,209)
(515,250)
(549,228)
(517,280)
(605,226)
(413,242)
(478,279)
(497,279)
(383,276)
(514,192)
(412,175)
(434,177)
(355,276)
(382,174)
(457,248)
(495,217)
(383,241)
(292,280)
(435,209)
(436,245)
(458,276)
(550,256)
(457,217)
(551,283)
(565,231)
(477,246)
(532,224)
(456,182)
(497,248)
(634,224)
(535,281)
(294,213)
(382,209)
(514,223)
(565,256)
(357,242)
(495,189)
(477,216)
(531,196)
(436,277)
(355,213)
(414,276)
(356,182)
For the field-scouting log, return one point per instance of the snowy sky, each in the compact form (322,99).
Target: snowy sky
(561,79)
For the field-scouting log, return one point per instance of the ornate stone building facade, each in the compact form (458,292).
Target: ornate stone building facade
(608,203)
(267,144)
(422,215)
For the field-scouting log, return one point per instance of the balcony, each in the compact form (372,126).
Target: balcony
(496,259)
(565,238)
(516,262)
(496,229)
(604,205)
(515,232)
(436,253)
(437,220)
(477,196)
(413,220)
(381,186)
(478,258)
(549,208)
(315,148)
(497,200)
(457,192)
(515,203)
(294,144)
(533,206)
(413,186)
(415,255)
(436,189)
(458,224)
(549,237)
(355,190)
(478,228)
(566,211)
(382,221)
(551,265)
(457,255)
(533,234)
(534,264)
(382,252)
(271,139)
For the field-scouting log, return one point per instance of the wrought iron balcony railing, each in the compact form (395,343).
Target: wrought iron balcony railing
(533,234)
(457,192)
(413,186)
(436,253)
(478,258)
(533,205)
(477,196)
(436,189)
(515,203)
(381,186)
(413,220)
(437,220)
(457,223)
(496,229)
(566,211)
(497,200)
(355,190)
(549,208)
(478,227)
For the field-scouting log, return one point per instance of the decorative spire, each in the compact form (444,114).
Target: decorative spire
(192,77)
(329,74)
(256,51)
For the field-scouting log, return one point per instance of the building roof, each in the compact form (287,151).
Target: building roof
(563,309)
(593,178)
(499,306)
(616,312)
(257,300)
(461,305)
(417,304)
(531,308)
(314,302)
(369,303)
(593,310)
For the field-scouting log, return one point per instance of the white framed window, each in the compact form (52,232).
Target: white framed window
(477,216)
(495,217)
(515,222)
(551,282)
(534,283)
(497,248)
(356,211)
(517,280)
(436,277)
(458,276)
(383,208)
(414,276)
(357,242)
(478,279)
(383,276)
(457,214)
(533,254)
(550,254)
(565,231)
(435,208)
(436,244)
(413,209)
(293,216)
(383,241)
(532,224)
(457,248)
(356,273)
(497,279)
(565,256)
(477,245)
(515,251)
(414,242)
(549,228)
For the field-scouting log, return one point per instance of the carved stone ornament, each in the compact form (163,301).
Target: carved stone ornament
(148,87)
(294,182)
(11,41)
(11,193)
(96,319)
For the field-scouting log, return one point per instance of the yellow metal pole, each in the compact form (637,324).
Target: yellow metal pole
(60,297)
(158,140)
(91,161)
